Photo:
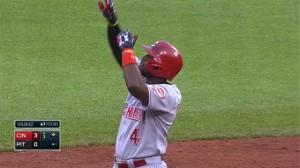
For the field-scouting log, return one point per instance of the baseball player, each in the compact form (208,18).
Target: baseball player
(152,103)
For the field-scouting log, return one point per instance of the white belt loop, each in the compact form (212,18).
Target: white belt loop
(130,163)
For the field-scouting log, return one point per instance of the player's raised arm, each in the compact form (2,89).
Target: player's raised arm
(113,29)
(133,78)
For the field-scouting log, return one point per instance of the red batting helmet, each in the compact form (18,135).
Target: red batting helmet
(167,60)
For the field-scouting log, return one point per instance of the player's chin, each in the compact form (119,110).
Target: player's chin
(143,73)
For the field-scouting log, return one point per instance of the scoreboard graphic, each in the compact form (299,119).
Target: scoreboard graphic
(37,135)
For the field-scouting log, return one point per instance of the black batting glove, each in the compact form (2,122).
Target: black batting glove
(125,40)
(108,11)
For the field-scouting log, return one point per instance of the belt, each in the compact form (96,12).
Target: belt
(140,162)
(137,163)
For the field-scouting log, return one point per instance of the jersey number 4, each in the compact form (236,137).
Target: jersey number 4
(134,137)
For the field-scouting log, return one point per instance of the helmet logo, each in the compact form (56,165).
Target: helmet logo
(160,91)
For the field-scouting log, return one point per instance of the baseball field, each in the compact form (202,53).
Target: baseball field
(240,79)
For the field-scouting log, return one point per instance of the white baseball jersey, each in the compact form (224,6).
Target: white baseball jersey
(143,130)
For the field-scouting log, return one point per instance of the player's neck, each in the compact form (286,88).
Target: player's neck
(156,80)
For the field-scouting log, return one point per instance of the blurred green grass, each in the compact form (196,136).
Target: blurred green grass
(240,75)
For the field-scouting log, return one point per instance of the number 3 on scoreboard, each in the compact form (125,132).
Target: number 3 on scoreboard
(135,136)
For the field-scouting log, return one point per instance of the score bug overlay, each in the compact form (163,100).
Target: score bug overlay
(37,135)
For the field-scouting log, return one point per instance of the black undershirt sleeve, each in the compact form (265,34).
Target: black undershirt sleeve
(113,32)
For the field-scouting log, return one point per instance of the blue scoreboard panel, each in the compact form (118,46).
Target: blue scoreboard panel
(37,135)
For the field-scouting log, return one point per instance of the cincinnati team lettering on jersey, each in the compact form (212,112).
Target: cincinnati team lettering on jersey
(134,113)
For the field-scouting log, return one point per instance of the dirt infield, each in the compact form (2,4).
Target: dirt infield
(282,152)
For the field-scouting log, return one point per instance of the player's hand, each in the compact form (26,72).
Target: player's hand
(125,39)
(108,11)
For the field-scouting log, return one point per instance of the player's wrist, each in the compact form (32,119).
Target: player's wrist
(128,57)
(127,50)
(112,20)
(112,24)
